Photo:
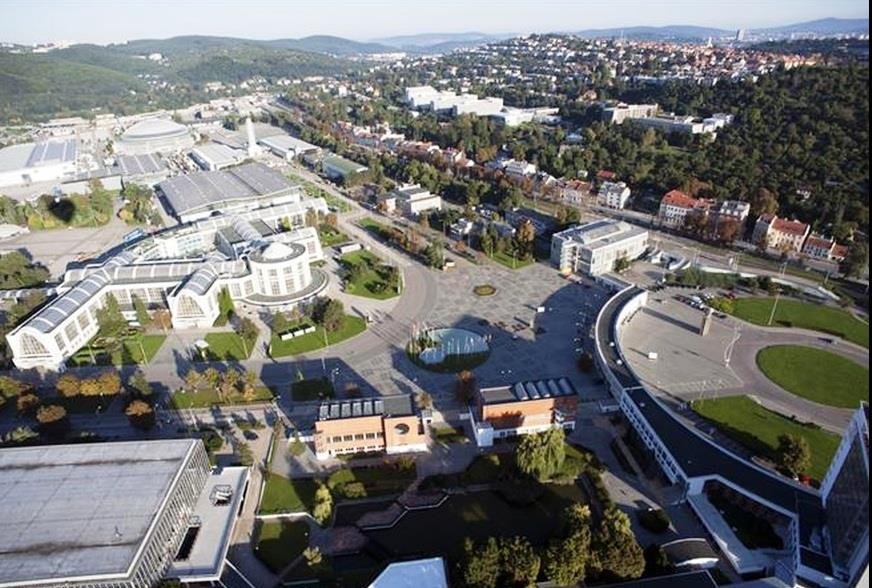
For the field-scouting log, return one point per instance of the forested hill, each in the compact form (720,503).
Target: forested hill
(117,78)
(804,130)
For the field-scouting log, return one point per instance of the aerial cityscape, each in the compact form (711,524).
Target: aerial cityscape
(371,294)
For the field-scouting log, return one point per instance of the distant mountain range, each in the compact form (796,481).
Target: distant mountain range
(826,26)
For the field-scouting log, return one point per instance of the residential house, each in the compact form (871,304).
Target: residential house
(772,232)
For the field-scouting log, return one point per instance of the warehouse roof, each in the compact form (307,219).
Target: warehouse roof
(191,192)
(26,155)
(135,165)
(85,509)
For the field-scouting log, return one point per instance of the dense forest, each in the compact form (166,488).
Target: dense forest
(117,79)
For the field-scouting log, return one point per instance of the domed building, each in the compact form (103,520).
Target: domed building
(154,135)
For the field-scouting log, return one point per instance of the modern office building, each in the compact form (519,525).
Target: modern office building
(32,163)
(198,195)
(845,492)
(262,257)
(524,408)
(114,515)
(825,533)
(594,247)
(389,424)
(154,135)
(618,113)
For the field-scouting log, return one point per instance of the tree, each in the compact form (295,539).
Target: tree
(567,557)
(525,237)
(53,420)
(331,315)
(109,382)
(519,562)
(226,307)
(109,318)
(91,387)
(480,567)
(248,333)
(617,554)
(142,315)
(434,255)
(856,261)
(622,264)
(162,319)
(541,455)
(193,381)
(68,385)
(140,385)
(27,403)
(140,414)
(280,323)
(323,508)
(793,454)
(249,385)
(465,387)
(313,556)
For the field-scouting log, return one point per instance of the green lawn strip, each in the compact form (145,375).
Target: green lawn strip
(280,542)
(312,389)
(351,326)
(803,315)
(204,398)
(376,228)
(330,236)
(817,375)
(281,495)
(377,481)
(374,281)
(225,347)
(509,261)
(131,352)
(758,428)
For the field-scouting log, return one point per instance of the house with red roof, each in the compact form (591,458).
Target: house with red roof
(773,232)
(819,247)
(676,205)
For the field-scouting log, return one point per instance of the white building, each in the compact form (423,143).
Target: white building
(154,135)
(251,254)
(106,515)
(411,200)
(613,194)
(215,156)
(518,169)
(618,113)
(288,147)
(672,123)
(33,163)
(594,247)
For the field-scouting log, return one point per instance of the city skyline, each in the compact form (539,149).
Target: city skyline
(24,22)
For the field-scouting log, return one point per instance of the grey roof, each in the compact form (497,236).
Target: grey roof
(600,232)
(397,405)
(72,510)
(202,190)
(288,143)
(683,551)
(530,390)
(136,165)
(217,154)
(153,128)
(49,152)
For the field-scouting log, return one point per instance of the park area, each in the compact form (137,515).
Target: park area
(227,346)
(816,375)
(351,326)
(368,276)
(756,428)
(280,542)
(803,315)
(133,348)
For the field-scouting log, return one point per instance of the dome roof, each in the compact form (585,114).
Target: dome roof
(154,128)
(277,251)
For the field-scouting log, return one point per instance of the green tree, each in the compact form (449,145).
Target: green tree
(793,454)
(519,562)
(617,554)
(109,318)
(480,567)
(248,333)
(567,557)
(856,261)
(226,307)
(142,315)
(434,255)
(622,264)
(140,386)
(331,315)
(323,508)
(541,455)
(525,237)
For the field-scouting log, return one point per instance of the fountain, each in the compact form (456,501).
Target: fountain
(432,347)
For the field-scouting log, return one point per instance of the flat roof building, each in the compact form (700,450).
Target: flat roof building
(31,163)
(199,195)
(390,424)
(215,156)
(288,147)
(336,167)
(105,514)
(594,247)
(411,200)
(142,169)
(523,408)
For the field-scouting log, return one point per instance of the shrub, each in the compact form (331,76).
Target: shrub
(27,403)
(353,490)
(53,420)
(140,414)
(654,520)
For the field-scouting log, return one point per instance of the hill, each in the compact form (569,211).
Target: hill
(680,32)
(824,26)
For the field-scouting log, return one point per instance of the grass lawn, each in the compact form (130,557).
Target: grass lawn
(817,375)
(204,398)
(758,428)
(479,515)
(377,481)
(794,313)
(312,389)
(374,281)
(376,228)
(226,346)
(330,236)
(511,262)
(281,495)
(131,352)
(351,326)
(280,542)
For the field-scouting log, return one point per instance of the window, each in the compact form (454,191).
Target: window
(348,438)
(358,437)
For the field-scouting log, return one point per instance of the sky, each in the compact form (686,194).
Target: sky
(105,21)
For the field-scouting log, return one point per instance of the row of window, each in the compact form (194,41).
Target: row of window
(357,437)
